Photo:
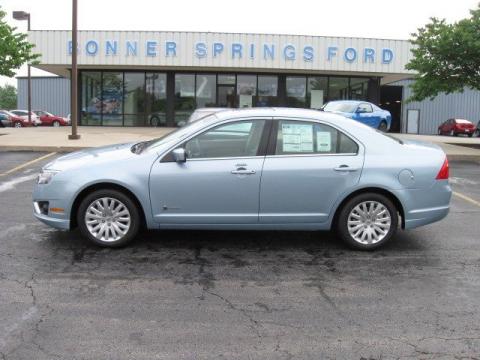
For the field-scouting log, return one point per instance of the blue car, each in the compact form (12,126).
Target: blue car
(365,112)
(250,169)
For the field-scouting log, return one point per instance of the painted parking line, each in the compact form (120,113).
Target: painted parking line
(24,165)
(466,198)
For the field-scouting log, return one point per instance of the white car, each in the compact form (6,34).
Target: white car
(24,114)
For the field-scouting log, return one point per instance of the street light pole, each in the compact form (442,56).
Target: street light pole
(74,76)
(22,15)
(29,82)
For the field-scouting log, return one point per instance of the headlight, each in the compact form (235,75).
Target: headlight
(46,176)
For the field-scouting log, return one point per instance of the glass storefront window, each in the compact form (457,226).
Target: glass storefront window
(359,88)
(296,91)
(91,107)
(246,90)
(267,90)
(206,90)
(317,88)
(184,97)
(156,99)
(226,79)
(134,99)
(112,98)
(338,88)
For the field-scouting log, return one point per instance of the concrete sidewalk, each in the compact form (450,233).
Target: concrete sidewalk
(56,139)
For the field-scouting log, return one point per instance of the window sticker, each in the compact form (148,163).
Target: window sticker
(297,138)
(324,141)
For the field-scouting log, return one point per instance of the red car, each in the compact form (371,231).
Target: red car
(51,120)
(454,127)
(14,120)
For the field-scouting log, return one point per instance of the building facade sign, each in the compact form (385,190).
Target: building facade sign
(235,50)
(270,52)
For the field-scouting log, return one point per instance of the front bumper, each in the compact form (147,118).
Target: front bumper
(57,223)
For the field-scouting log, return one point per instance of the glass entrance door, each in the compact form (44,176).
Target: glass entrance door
(226,96)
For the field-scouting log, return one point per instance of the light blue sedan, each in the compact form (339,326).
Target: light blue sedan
(362,111)
(255,169)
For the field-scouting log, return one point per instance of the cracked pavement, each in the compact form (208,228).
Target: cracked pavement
(238,295)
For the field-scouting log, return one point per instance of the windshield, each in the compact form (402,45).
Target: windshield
(181,132)
(341,106)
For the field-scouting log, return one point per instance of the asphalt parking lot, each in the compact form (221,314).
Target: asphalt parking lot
(237,295)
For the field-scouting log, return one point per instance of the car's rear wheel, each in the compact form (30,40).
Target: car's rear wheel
(383,126)
(367,221)
(56,123)
(17,124)
(108,218)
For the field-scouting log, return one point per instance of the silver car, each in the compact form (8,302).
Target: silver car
(255,169)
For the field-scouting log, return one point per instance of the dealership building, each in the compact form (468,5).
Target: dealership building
(140,78)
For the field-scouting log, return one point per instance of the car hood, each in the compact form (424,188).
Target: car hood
(93,156)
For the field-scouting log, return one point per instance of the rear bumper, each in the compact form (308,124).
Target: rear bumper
(426,206)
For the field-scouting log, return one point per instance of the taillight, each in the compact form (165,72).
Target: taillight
(444,171)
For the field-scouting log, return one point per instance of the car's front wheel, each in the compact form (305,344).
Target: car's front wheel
(367,221)
(17,124)
(56,123)
(108,218)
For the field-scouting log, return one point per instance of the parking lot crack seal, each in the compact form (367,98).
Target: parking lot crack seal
(254,324)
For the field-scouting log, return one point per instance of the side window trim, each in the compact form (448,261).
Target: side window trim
(272,142)
(262,147)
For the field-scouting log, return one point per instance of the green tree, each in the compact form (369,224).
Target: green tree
(446,57)
(15,50)
(8,97)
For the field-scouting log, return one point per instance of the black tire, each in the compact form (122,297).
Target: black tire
(342,222)
(383,126)
(452,133)
(470,135)
(114,194)
(56,123)
(17,124)
(439,132)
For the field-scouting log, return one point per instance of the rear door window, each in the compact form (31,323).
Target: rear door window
(305,137)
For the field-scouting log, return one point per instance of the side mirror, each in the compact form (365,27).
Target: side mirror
(179,155)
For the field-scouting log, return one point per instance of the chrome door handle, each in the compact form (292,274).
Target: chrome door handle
(345,168)
(243,172)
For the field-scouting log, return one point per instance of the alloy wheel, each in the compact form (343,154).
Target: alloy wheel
(107,219)
(369,222)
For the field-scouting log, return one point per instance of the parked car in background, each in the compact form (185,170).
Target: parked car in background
(24,114)
(15,120)
(5,119)
(477,130)
(51,120)
(362,111)
(455,127)
(317,171)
